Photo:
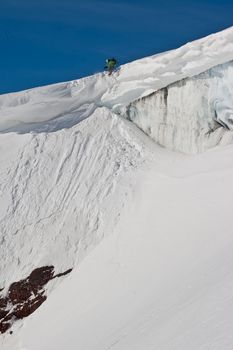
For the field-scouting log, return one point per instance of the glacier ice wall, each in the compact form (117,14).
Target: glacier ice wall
(190,115)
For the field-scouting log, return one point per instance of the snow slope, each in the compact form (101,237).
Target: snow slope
(58,192)
(74,171)
(163,279)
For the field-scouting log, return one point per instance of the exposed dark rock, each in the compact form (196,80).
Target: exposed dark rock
(20,292)
(3,313)
(3,302)
(25,296)
(28,307)
(63,273)
(4,326)
(41,276)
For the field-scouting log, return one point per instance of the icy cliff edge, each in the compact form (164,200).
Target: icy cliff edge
(190,115)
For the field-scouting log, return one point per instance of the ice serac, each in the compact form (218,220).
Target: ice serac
(190,115)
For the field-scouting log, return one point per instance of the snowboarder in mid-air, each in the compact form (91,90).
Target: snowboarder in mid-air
(111,65)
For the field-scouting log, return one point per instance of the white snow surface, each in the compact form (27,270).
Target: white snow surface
(162,280)
(60,192)
(148,231)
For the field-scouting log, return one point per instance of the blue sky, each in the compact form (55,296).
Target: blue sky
(47,41)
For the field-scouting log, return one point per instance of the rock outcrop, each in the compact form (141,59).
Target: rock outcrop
(25,296)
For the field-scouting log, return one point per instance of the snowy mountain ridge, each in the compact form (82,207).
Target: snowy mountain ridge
(134,80)
(148,232)
(65,104)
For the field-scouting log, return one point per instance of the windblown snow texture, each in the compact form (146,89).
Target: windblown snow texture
(57,192)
